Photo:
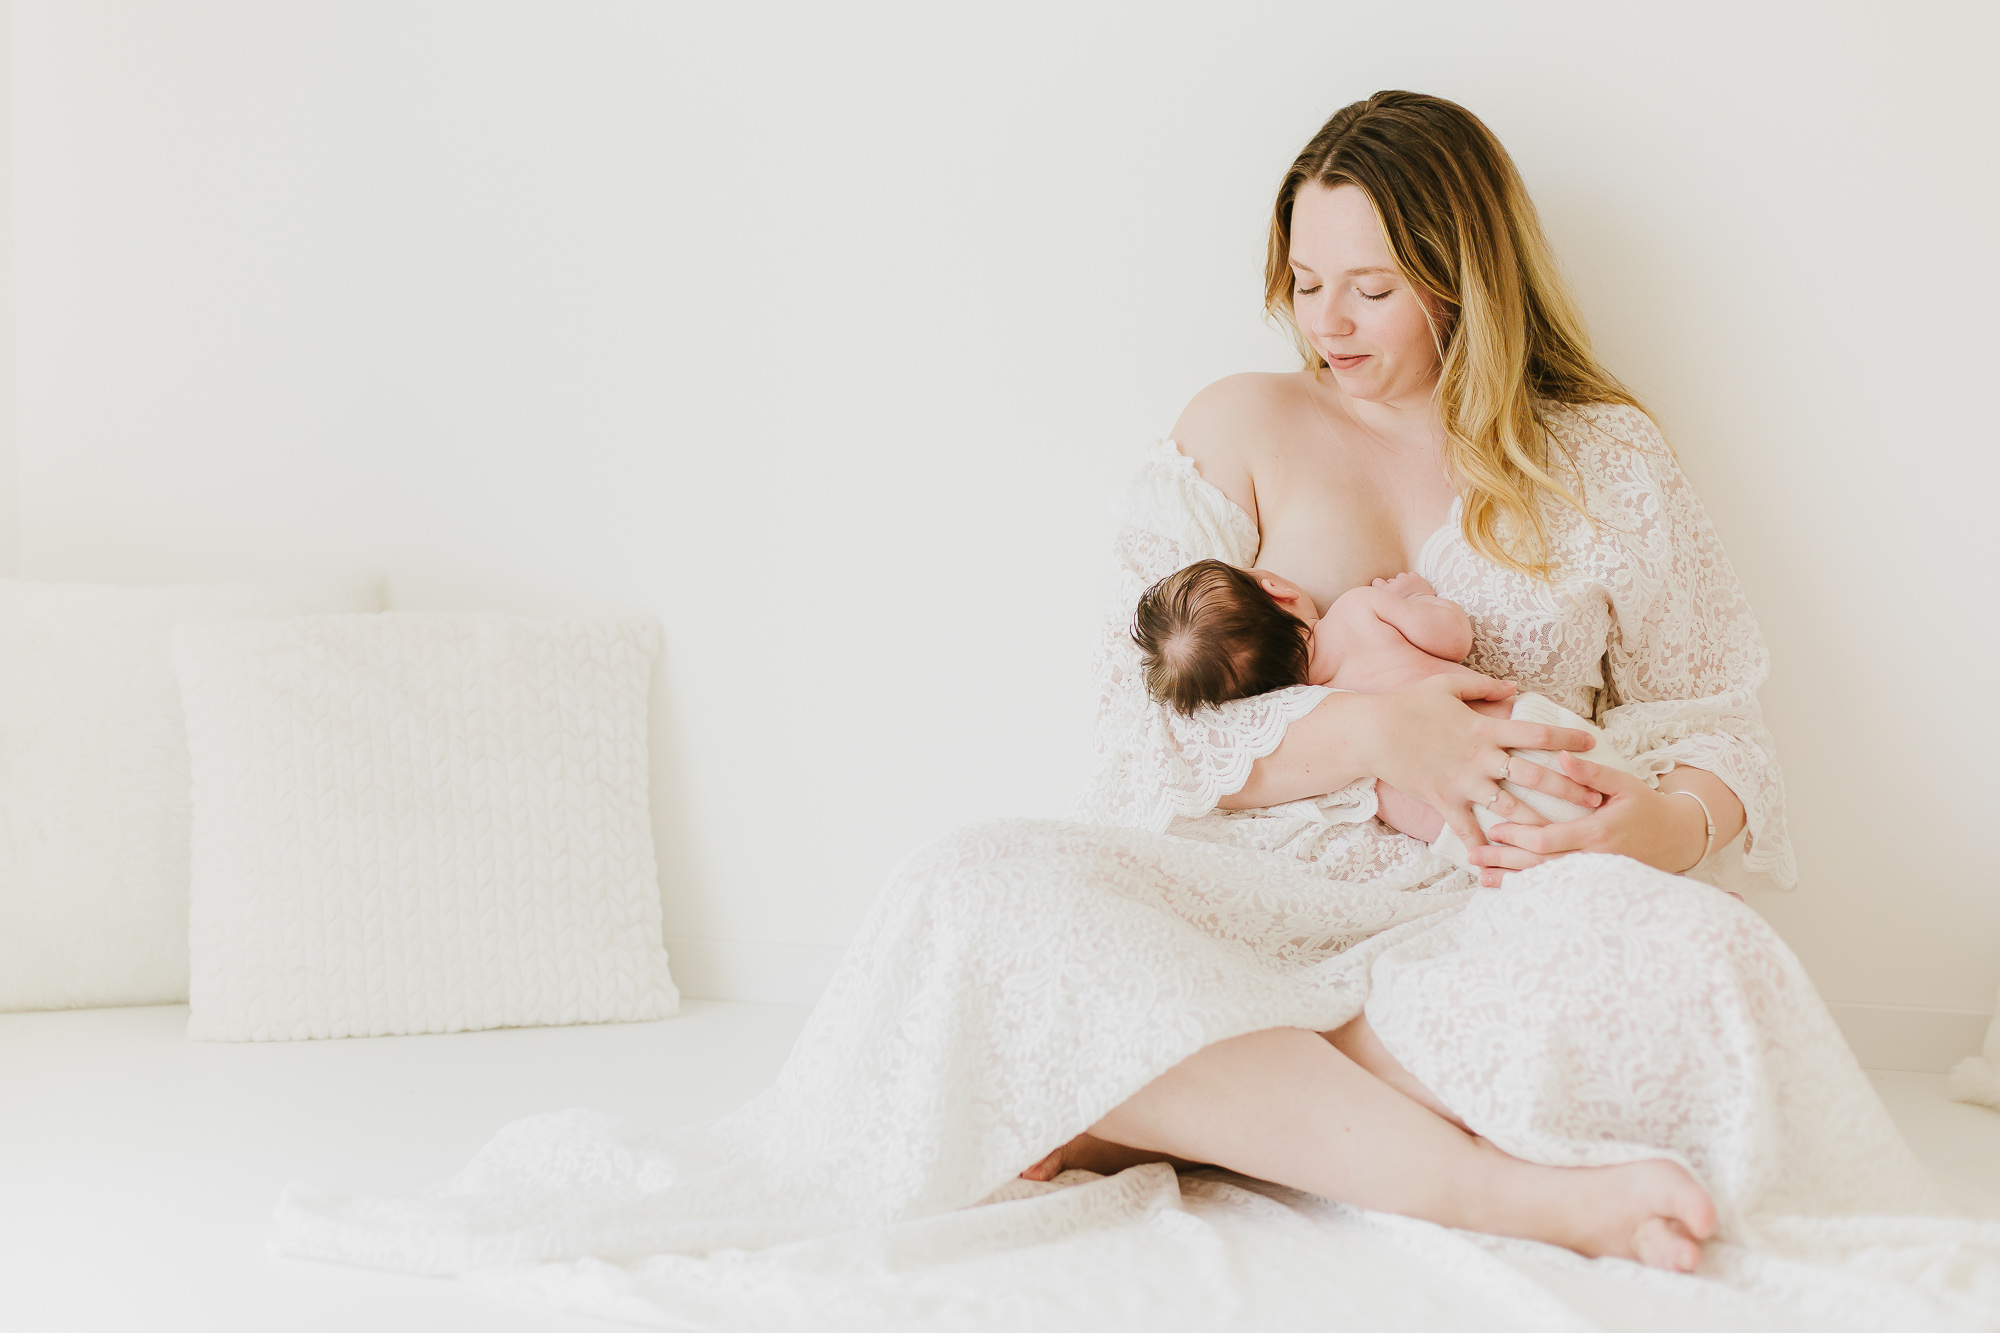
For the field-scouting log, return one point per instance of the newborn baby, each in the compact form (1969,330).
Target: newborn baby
(1212,632)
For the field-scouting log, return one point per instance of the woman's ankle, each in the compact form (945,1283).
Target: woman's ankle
(1501,1195)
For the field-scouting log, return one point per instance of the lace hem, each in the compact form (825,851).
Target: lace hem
(1227,763)
(1766,849)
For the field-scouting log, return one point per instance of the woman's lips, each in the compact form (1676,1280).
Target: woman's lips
(1346,362)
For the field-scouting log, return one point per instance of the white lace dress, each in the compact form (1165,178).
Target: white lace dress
(1647,633)
(1017,980)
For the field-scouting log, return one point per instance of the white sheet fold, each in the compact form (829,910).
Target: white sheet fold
(1017,980)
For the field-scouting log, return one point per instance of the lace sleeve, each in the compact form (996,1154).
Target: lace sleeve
(1686,658)
(1153,765)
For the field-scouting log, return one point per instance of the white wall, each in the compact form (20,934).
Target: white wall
(821,333)
(10,509)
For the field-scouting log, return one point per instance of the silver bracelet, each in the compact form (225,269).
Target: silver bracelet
(1709,846)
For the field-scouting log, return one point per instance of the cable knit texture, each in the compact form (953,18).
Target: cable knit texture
(94,780)
(420,823)
(1015,981)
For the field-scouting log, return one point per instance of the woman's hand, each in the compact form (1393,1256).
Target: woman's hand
(1663,830)
(1428,744)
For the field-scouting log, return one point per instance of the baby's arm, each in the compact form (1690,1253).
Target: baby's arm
(1440,627)
(1412,607)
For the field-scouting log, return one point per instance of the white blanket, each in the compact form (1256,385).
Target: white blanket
(962,1038)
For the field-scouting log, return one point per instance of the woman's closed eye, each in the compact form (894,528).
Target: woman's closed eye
(1373,296)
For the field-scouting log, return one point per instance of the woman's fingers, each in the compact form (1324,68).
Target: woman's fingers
(1527,773)
(1514,809)
(1459,815)
(1610,781)
(1577,835)
(1496,860)
(1501,856)
(1511,735)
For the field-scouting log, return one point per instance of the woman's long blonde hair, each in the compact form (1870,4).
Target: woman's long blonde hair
(1510,338)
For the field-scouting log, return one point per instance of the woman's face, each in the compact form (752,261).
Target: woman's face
(1353,303)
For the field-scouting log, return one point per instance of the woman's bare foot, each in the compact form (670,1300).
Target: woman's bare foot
(1087,1152)
(1290,1106)
(1653,1212)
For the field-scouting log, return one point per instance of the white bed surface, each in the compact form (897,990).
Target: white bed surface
(138,1168)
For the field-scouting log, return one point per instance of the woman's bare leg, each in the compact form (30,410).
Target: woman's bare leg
(1288,1106)
(1087,1152)
(1358,1042)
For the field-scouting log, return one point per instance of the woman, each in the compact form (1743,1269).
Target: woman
(1605,1055)
(1448,393)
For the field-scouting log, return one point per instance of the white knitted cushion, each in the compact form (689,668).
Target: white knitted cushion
(94,781)
(420,823)
(1976,1078)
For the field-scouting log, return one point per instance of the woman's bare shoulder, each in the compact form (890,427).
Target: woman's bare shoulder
(1233,422)
(1237,409)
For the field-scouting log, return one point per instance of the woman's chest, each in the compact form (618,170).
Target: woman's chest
(1332,528)
(1332,520)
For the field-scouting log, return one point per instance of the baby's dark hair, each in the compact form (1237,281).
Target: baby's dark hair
(1210,634)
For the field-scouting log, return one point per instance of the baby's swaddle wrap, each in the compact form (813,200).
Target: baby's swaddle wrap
(1535,708)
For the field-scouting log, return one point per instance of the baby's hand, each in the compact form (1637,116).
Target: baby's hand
(1407,585)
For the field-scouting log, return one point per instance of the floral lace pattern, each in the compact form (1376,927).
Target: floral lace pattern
(1599,1011)
(1015,981)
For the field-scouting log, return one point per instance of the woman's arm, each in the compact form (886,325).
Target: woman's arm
(1317,754)
(1654,826)
(1213,432)
(1717,802)
(1682,668)
(1155,765)
(1422,740)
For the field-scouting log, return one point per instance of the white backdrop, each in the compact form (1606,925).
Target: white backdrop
(821,332)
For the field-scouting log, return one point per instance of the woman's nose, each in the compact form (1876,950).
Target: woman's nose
(1326,321)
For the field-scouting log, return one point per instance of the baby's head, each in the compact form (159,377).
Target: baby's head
(1211,633)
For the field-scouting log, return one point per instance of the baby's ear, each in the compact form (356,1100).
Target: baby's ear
(1285,592)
